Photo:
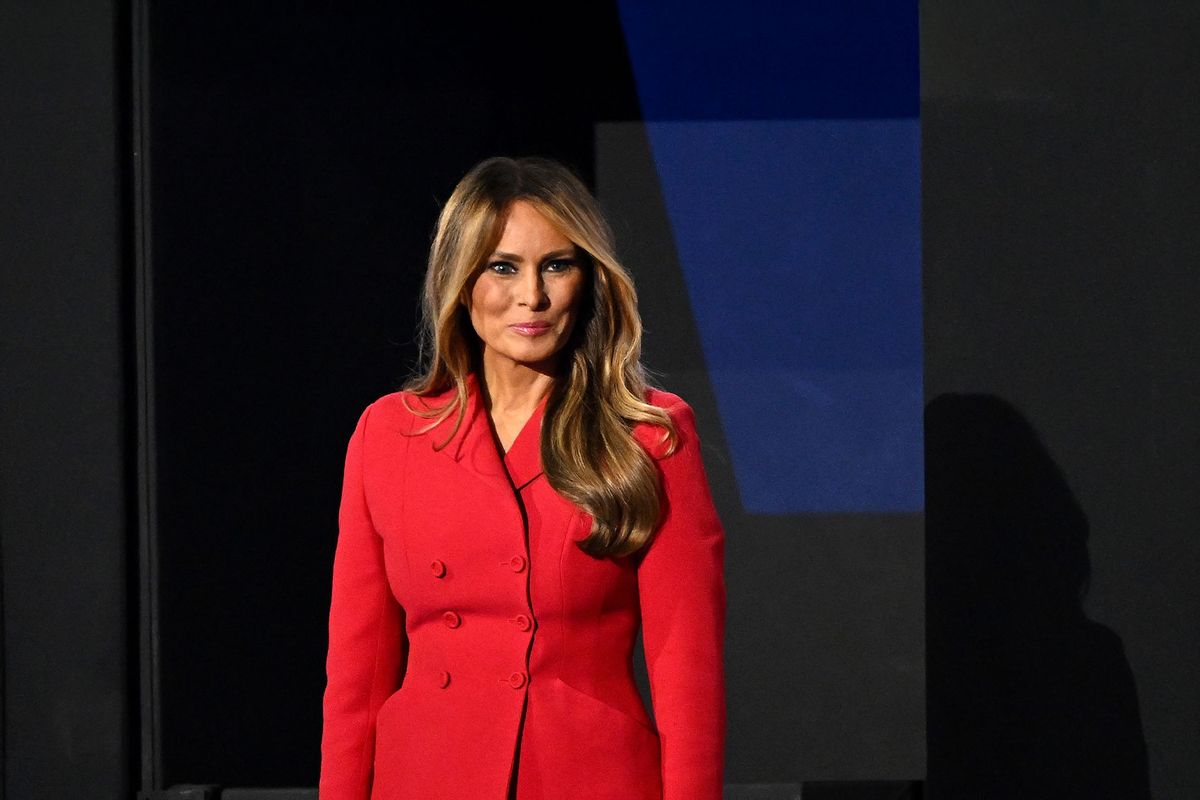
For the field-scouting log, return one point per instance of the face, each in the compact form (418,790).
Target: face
(525,302)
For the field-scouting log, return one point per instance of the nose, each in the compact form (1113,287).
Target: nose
(531,289)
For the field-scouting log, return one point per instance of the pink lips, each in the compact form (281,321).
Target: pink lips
(531,328)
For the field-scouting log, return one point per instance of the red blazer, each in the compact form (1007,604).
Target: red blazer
(469,636)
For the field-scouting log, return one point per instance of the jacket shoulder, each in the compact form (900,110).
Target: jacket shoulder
(393,411)
(663,399)
(651,435)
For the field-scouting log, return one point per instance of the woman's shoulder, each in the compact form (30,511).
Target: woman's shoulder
(680,412)
(678,408)
(662,398)
(396,410)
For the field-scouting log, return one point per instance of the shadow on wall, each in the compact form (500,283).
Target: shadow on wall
(1027,698)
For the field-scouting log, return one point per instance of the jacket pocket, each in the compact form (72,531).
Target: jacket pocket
(603,707)
(385,710)
(584,747)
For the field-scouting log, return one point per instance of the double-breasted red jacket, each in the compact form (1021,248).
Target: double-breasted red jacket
(471,640)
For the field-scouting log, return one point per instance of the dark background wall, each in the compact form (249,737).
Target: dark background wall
(1061,289)
(66,451)
(1060,354)
(298,162)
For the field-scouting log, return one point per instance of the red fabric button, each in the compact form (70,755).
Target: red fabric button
(517,563)
(439,569)
(443,679)
(452,619)
(516,680)
(522,622)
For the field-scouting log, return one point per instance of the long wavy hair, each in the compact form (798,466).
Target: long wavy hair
(589,454)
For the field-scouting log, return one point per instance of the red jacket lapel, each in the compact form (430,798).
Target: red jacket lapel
(474,446)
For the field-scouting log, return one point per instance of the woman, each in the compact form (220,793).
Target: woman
(507,522)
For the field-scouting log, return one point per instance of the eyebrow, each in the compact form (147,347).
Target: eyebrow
(556,254)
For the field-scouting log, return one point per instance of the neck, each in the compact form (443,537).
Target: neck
(513,387)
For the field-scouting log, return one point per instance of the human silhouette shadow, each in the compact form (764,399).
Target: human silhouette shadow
(1027,697)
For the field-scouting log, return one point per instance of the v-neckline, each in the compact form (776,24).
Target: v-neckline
(496,434)
(522,461)
(474,444)
(518,440)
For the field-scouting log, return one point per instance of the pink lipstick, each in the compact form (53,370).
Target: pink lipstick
(535,328)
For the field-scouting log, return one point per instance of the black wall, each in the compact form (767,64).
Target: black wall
(298,161)
(66,448)
(1061,288)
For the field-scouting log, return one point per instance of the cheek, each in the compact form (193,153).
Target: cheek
(486,304)
(571,296)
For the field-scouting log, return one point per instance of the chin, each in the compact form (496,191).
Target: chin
(534,356)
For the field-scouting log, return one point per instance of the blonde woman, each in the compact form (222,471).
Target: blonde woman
(510,518)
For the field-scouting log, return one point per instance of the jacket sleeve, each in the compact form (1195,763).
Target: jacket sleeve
(682,587)
(366,640)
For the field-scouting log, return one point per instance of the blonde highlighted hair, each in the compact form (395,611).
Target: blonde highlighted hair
(589,454)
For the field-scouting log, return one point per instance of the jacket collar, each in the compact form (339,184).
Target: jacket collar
(474,446)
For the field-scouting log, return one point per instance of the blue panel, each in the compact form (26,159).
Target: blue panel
(788,148)
(801,253)
(774,60)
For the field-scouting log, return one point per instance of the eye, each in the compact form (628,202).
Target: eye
(560,264)
(501,267)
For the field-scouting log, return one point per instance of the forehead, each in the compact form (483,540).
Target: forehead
(524,225)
